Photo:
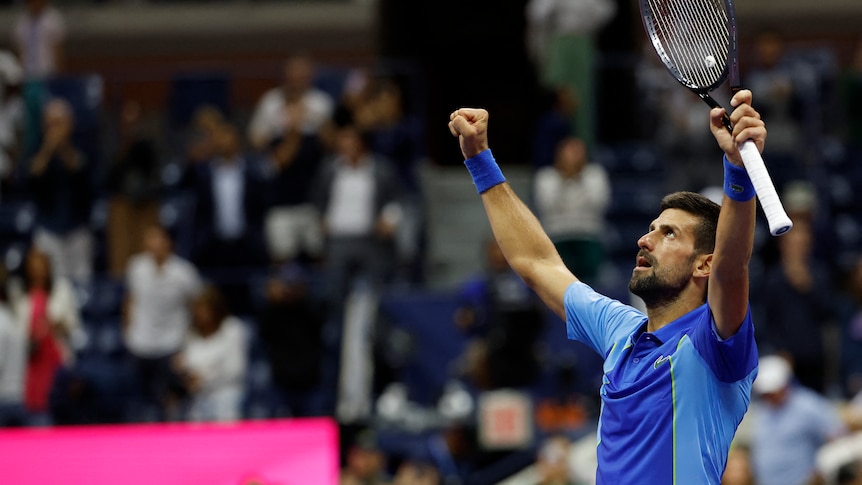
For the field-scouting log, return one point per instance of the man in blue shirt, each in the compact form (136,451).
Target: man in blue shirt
(677,381)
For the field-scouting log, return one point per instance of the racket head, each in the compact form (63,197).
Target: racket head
(696,40)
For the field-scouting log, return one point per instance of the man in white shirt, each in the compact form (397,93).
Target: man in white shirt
(160,286)
(278,108)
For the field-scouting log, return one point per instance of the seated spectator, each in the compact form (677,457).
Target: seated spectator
(47,306)
(552,463)
(365,463)
(572,181)
(213,360)
(503,319)
(291,324)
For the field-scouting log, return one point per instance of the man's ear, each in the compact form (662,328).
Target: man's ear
(702,266)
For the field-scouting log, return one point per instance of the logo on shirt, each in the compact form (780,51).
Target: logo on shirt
(660,360)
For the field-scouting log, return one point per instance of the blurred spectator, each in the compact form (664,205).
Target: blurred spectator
(503,319)
(276,111)
(38,36)
(850,474)
(851,331)
(738,469)
(552,462)
(798,302)
(365,463)
(134,182)
(574,182)
(229,206)
(159,288)
(47,305)
(561,39)
(13,361)
(359,195)
(61,183)
(556,123)
(291,324)
(789,423)
(11,118)
(213,361)
(782,99)
(292,223)
(200,145)
(412,472)
(398,135)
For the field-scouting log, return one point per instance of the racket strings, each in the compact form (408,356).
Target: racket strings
(693,34)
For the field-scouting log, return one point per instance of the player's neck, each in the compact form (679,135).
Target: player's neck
(661,315)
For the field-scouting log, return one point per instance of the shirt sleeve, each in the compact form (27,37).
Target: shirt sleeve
(597,320)
(731,359)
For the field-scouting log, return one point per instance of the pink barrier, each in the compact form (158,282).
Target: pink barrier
(280,452)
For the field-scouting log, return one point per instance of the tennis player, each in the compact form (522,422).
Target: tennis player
(677,381)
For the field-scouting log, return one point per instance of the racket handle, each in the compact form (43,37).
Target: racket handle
(779,222)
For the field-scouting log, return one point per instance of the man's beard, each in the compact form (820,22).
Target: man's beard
(656,291)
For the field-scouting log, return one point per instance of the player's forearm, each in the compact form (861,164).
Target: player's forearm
(518,232)
(729,284)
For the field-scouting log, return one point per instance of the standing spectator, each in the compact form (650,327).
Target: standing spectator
(561,39)
(213,360)
(573,181)
(397,134)
(13,361)
(38,36)
(789,423)
(359,195)
(276,111)
(230,205)
(291,324)
(292,223)
(159,288)
(46,304)
(60,178)
(133,183)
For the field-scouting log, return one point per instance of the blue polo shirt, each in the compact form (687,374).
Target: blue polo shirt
(671,400)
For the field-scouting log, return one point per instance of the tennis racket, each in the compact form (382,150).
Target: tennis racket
(697,42)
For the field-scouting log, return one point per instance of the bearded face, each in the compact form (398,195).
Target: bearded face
(657,284)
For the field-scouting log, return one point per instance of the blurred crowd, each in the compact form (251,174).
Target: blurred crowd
(151,276)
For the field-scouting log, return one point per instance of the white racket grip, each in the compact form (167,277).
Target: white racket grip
(779,222)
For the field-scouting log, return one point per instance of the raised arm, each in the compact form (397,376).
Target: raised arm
(734,240)
(527,248)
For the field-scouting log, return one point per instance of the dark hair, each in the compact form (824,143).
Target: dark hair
(212,296)
(701,207)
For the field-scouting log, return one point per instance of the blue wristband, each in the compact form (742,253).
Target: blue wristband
(737,184)
(485,171)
